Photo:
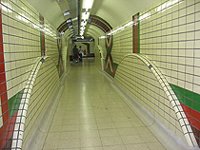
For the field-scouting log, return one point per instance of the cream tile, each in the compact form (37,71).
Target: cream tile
(137,147)
(92,148)
(69,135)
(127,131)
(157,146)
(69,143)
(91,142)
(108,132)
(89,133)
(115,147)
(110,140)
(106,125)
(132,139)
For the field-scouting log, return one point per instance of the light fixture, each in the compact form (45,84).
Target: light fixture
(23,18)
(167,5)
(83,23)
(66,13)
(6,7)
(87,4)
(145,16)
(86,7)
(85,16)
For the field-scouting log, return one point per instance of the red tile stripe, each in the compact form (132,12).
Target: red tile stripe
(3,87)
(42,37)
(135,29)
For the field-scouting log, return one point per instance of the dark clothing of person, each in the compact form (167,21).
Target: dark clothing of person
(80,55)
(75,53)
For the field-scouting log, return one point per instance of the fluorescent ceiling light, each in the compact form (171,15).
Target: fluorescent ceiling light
(6,7)
(128,24)
(144,16)
(69,20)
(167,5)
(23,18)
(85,16)
(87,4)
(74,19)
(103,37)
(66,13)
(82,28)
(83,23)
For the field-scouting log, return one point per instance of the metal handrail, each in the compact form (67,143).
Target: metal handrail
(175,104)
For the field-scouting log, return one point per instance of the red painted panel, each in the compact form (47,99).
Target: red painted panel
(136,33)
(4,99)
(2,78)
(1,57)
(193,116)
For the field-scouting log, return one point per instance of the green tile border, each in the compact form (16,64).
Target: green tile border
(14,102)
(186,97)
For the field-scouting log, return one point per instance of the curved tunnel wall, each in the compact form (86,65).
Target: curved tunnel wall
(169,38)
(35,106)
(25,36)
(139,77)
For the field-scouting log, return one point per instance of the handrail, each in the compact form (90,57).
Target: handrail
(175,104)
(18,132)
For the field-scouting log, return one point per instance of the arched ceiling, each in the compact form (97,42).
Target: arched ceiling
(115,12)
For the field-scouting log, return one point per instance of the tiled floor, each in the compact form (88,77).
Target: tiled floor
(92,116)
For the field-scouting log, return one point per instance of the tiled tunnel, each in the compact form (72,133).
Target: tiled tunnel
(132,83)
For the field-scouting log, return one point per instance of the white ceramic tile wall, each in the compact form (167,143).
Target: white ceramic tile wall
(21,43)
(122,45)
(65,46)
(52,49)
(171,40)
(43,93)
(137,78)
(21,38)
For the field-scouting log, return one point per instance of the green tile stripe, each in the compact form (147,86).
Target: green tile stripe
(14,102)
(187,97)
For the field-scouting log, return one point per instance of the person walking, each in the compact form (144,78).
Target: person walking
(80,54)
(75,54)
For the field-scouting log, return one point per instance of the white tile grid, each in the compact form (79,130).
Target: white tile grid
(187,28)
(162,111)
(25,30)
(19,7)
(44,87)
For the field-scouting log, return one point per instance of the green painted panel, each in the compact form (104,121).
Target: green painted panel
(187,97)
(13,103)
